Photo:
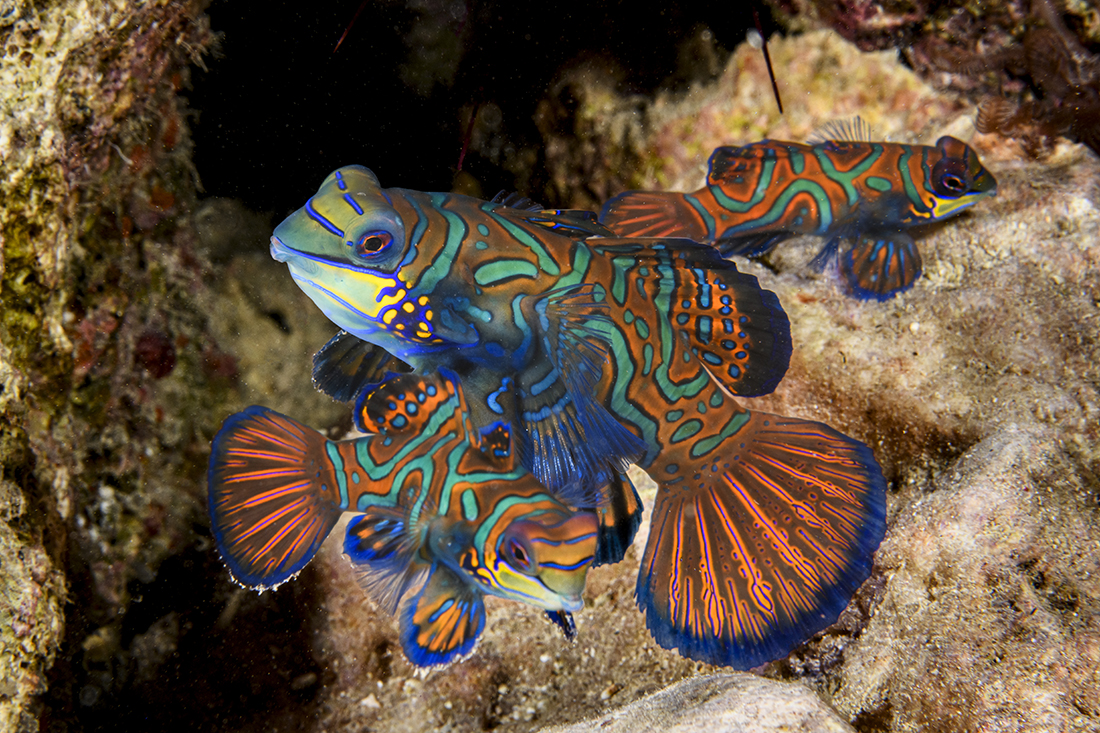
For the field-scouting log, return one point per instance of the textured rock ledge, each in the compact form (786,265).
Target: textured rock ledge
(738,702)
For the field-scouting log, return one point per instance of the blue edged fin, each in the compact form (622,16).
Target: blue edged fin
(382,548)
(570,442)
(443,620)
(564,621)
(346,365)
(273,495)
(619,517)
(881,265)
(762,543)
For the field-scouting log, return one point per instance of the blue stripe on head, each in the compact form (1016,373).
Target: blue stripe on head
(328,225)
(353,204)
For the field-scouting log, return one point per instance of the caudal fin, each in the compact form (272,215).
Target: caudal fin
(272,495)
(762,542)
(653,214)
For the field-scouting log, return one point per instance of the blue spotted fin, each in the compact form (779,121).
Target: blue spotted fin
(880,265)
(347,364)
(273,496)
(404,403)
(443,620)
(570,442)
(736,329)
(620,515)
(761,544)
(381,546)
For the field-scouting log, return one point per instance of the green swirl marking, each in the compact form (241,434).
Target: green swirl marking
(504,269)
(686,430)
(845,178)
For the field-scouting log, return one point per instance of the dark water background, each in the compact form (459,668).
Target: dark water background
(277,109)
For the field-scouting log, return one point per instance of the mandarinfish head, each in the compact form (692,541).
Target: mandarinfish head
(955,178)
(344,248)
(524,551)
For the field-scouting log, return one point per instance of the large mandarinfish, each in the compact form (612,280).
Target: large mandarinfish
(588,351)
(838,186)
(443,516)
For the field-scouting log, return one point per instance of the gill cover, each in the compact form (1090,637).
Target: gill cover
(349,219)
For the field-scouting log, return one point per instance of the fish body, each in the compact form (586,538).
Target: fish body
(588,350)
(758,195)
(440,520)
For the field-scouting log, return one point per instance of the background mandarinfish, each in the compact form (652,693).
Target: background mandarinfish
(838,185)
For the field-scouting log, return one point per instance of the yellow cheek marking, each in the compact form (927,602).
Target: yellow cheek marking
(428,315)
(365,282)
(408,307)
(423,300)
(425,327)
(388,316)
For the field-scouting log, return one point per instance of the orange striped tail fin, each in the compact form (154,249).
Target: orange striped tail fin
(272,495)
(761,543)
(654,214)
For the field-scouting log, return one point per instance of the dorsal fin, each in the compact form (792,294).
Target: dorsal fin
(849,130)
(568,222)
(515,200)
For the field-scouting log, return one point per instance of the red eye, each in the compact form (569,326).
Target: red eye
(372,243)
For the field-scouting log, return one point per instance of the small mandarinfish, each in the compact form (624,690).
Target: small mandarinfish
(585,351)
(443,516)
(838,186)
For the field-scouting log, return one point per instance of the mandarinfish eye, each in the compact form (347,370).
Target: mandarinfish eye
(949,178)
(518,556)
(372,243)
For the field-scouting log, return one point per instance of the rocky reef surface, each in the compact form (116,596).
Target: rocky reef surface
(135,318)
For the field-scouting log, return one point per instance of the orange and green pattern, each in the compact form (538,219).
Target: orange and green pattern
(439,521)
(758,195)
(591,350)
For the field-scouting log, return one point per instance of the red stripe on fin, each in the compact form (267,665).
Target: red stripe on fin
(273,495)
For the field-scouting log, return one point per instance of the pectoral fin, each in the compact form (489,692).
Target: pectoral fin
(569,441)
(443,621)
(881,265)
(382,547)
(346,365)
